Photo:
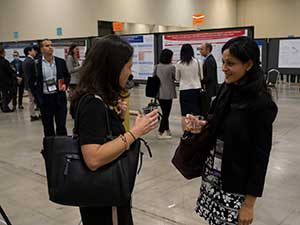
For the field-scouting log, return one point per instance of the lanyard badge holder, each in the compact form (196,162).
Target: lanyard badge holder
(218,156)
(51,86)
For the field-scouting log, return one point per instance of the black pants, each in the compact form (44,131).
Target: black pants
(6,98)
(54,108)
(165,106)
(19,88)
(103,215)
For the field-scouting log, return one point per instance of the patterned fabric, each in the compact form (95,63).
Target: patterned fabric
(214,205)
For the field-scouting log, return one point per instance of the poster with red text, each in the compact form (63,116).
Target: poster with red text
(216,38)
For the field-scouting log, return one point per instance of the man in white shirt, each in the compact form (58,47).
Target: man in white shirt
(52,81)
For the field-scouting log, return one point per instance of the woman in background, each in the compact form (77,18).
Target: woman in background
(189,73)
(73,68)
(167,91)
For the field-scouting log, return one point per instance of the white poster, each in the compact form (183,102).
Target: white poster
(216,38)
(143,56)
(289,53)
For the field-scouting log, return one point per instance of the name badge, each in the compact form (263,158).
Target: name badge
(51,85)
(218,156)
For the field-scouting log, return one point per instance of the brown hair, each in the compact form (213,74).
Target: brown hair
(41,42)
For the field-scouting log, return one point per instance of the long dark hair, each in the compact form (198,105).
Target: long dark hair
(101,69)
(186,53)
(71,48)
(246,49)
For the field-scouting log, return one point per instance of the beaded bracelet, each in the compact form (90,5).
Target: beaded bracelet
(123,138)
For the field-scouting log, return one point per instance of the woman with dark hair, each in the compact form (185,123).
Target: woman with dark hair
(189,73)
(104,76)
(240,121)
(166,74)
(73,68)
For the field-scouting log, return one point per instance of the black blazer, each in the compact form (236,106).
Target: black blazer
(29,69)
(6,74)
(247,134)
(61,73)
(210,78)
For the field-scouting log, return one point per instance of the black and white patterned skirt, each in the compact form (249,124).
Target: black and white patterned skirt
(216,206)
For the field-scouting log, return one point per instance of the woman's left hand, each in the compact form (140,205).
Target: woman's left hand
(122,108)
(245,215)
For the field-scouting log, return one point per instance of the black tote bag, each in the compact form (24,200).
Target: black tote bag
(70,182)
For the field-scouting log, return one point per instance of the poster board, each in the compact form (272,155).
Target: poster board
(143,55)
(61,48)
(289,53)
(283,55)
(217,38)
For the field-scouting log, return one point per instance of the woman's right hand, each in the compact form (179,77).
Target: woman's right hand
(145,123)
(193,124)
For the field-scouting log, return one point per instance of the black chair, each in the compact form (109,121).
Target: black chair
(272,80)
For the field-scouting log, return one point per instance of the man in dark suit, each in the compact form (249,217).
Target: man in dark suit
(6,82)
(29,68)
(16,65)
(50,88)
(210,78)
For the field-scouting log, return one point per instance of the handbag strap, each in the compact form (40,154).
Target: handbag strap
(75,129)
(109,136)
(109,130)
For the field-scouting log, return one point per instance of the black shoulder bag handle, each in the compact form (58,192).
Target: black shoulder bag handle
(111,137)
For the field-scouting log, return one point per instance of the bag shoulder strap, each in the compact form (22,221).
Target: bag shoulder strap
(109,130)
(75,129)
(76,120)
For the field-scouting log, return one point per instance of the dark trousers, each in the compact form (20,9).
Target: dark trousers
(165,106)
(52,109)
(19,88)
(6,98)
(103,215)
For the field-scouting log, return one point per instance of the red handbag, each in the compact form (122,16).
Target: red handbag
(191,153)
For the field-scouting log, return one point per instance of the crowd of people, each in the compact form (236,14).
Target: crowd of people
(235,170)
(193,75)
